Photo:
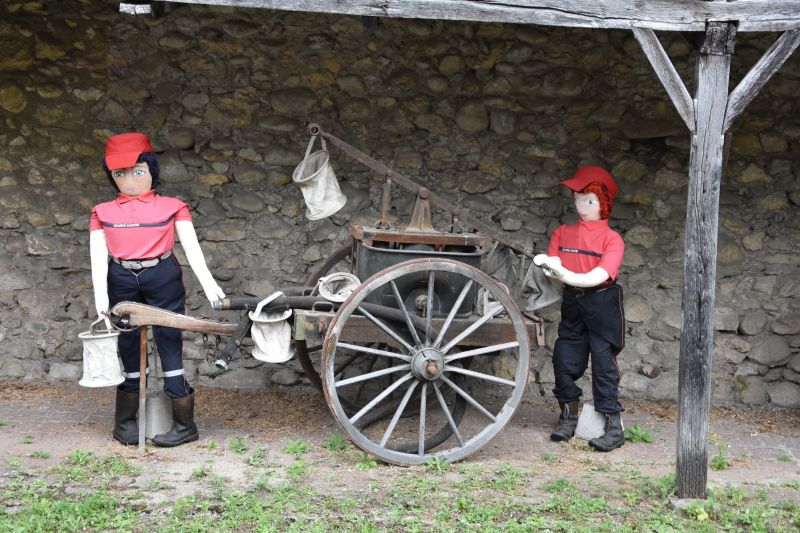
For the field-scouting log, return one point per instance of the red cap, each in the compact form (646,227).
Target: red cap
(585,175)
(124,149)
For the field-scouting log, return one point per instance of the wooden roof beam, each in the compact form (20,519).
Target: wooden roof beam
(666,15)
(760,74)
(666,72)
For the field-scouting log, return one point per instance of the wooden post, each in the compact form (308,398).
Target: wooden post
(702,227)
(142,383)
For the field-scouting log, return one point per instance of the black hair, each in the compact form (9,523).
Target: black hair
(145,157)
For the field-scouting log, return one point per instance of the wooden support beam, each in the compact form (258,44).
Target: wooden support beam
(666,72)
(760,74)
(700,268)
(669,15)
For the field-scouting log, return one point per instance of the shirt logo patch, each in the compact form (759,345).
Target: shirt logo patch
(138,225)
(578,251)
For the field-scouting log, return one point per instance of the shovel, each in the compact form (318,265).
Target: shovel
(158,408)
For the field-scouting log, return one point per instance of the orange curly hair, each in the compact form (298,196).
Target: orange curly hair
(601,192)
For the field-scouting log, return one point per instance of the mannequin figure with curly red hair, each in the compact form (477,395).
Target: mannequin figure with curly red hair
(586,257)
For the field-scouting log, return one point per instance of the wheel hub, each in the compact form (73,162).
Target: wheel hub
(428,364)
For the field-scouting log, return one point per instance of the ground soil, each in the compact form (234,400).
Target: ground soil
(763,445)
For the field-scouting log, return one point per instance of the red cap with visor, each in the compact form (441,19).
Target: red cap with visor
(585,175)
(124,149)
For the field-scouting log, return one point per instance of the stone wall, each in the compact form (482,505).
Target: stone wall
(491,116)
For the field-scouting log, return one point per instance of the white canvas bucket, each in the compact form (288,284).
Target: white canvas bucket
(318,183)
(271,332)
(591,423)
(100,361)
(338,286)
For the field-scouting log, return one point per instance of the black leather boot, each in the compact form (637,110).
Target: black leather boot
(567,422)
(183,427)
(126,430)
(614,436)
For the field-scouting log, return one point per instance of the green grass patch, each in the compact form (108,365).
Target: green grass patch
(720,461)
(636,433)
(296,447)
(40,454)
(238,444)
(336,443)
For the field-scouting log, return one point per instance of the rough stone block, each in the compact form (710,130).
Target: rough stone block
(785,394)
(751,390)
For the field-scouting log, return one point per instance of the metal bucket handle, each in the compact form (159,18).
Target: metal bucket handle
(93,327)
(308,152)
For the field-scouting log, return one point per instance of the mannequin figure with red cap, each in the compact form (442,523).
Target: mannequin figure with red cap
(137,230)
(586,257)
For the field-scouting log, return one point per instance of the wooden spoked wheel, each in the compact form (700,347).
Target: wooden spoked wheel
(437,354)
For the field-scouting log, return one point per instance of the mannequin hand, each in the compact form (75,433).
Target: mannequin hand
(553,269)
(213,291)
(540,259)
(551,266)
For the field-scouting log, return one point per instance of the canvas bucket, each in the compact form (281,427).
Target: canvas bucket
(271,333)
(338,286)
(318,183)
(100,361)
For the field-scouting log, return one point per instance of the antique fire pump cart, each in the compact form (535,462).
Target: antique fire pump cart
(427,357)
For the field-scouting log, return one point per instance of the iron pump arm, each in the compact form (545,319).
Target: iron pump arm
(393,175)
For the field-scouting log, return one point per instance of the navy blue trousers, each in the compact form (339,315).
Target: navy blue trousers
(160,286)
(591,323)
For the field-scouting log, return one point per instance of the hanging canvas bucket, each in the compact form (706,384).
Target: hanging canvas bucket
(100,361)
(271,333)
(338,286)
(318,183)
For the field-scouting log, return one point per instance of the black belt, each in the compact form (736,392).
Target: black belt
(141,263)
(583,291)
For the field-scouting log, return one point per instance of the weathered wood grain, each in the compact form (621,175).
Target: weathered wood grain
(666,72)
(760,74)
(146,315)
(672,15)
(702,228)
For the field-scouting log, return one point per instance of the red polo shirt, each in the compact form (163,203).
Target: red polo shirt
(586,245)
(139,227)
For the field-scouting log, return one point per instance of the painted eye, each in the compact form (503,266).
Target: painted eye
(139,173)
(117,174)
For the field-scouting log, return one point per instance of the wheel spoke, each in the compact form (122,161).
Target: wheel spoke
(386,329)
(452,314)
(379,398)
(446,412)
(423,400)
(475,325)
(372,375)
(479,375)
(429,312)
(397,413)
(402,307)
(374,351)
(469,399)
(481,351)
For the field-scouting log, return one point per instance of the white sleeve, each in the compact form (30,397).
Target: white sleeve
(592,278)
(197,262)
(98,253)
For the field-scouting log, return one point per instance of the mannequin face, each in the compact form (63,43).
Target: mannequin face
(133,181)
(587,205)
